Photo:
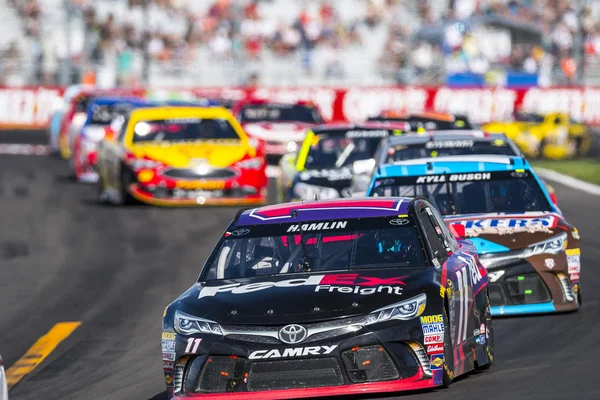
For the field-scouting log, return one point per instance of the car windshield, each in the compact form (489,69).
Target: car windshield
(183,129)
(315,246)
(470,193)
(441,148)
(336,150)
(104,114)
(280,113)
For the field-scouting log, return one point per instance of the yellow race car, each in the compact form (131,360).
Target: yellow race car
(181,156)
(552,135)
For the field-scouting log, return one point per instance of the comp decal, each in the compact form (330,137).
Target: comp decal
(339,283)
(292,352)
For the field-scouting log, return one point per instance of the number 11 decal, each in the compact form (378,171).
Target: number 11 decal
(192,345)
(463,319)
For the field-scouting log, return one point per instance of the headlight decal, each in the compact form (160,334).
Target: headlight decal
(186,324)
(404,310)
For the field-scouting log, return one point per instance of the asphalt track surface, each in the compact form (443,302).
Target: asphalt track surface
(63,257)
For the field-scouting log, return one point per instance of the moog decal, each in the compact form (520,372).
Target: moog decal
(340,283)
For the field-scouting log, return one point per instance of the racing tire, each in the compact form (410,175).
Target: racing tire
(579,298)
(126,179)
(489,343)
(448,369)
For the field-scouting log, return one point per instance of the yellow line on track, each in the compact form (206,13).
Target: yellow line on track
(39,351)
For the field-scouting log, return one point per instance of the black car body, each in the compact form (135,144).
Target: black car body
(331,297)
(330,158)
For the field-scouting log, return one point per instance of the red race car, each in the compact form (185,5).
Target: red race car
(280,126)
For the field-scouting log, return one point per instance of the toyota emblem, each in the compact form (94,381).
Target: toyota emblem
(292,334)
(399,222)
(240,232)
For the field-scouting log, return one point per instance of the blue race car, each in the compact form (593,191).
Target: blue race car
(531,252)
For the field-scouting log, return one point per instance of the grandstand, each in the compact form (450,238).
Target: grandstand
(291,42)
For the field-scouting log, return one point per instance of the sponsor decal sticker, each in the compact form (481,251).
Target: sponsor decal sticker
(399,221)
(292,352)
(168,335)
(574,252)
(476,332)
(210,185)
(479,176)
(320,226)
(437,361)
(340,283)
(168,355)
(169,378)
(476,227)
(168,365)
(576,288)
(549,263)
(481,339)
(574,277)
(433,339)
(449,144)
(238,232)
(168,345)
(435,348)
(429,319)
(574,266)
(367,134)
(433,328)
(341,174)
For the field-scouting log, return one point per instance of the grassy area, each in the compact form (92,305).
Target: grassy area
(586,170)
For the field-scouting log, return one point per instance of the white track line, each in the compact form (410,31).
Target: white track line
(568,181)
(24,149)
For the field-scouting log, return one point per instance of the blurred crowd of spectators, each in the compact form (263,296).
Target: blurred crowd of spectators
(465,48)
(239,30)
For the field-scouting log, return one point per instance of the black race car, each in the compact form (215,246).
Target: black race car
(330,297)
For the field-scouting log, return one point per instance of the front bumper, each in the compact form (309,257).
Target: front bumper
(206,198)
(416,382)
(387,360)
(528,287)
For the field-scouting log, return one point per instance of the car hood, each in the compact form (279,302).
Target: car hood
(218,153)
(494,233)
(306,297)
(284,131)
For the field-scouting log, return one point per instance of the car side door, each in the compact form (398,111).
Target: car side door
(459,276)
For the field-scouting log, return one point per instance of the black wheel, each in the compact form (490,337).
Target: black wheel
(489,335)
(126,180)
(579,298)
(448,371)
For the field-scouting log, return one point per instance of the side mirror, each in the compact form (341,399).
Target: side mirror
(363,166)
(458,230)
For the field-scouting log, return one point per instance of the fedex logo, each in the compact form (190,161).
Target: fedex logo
(341,283)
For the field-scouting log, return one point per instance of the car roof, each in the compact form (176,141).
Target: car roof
(343,127)
(106,100)
(319,210)
(167,111)
(453,164)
